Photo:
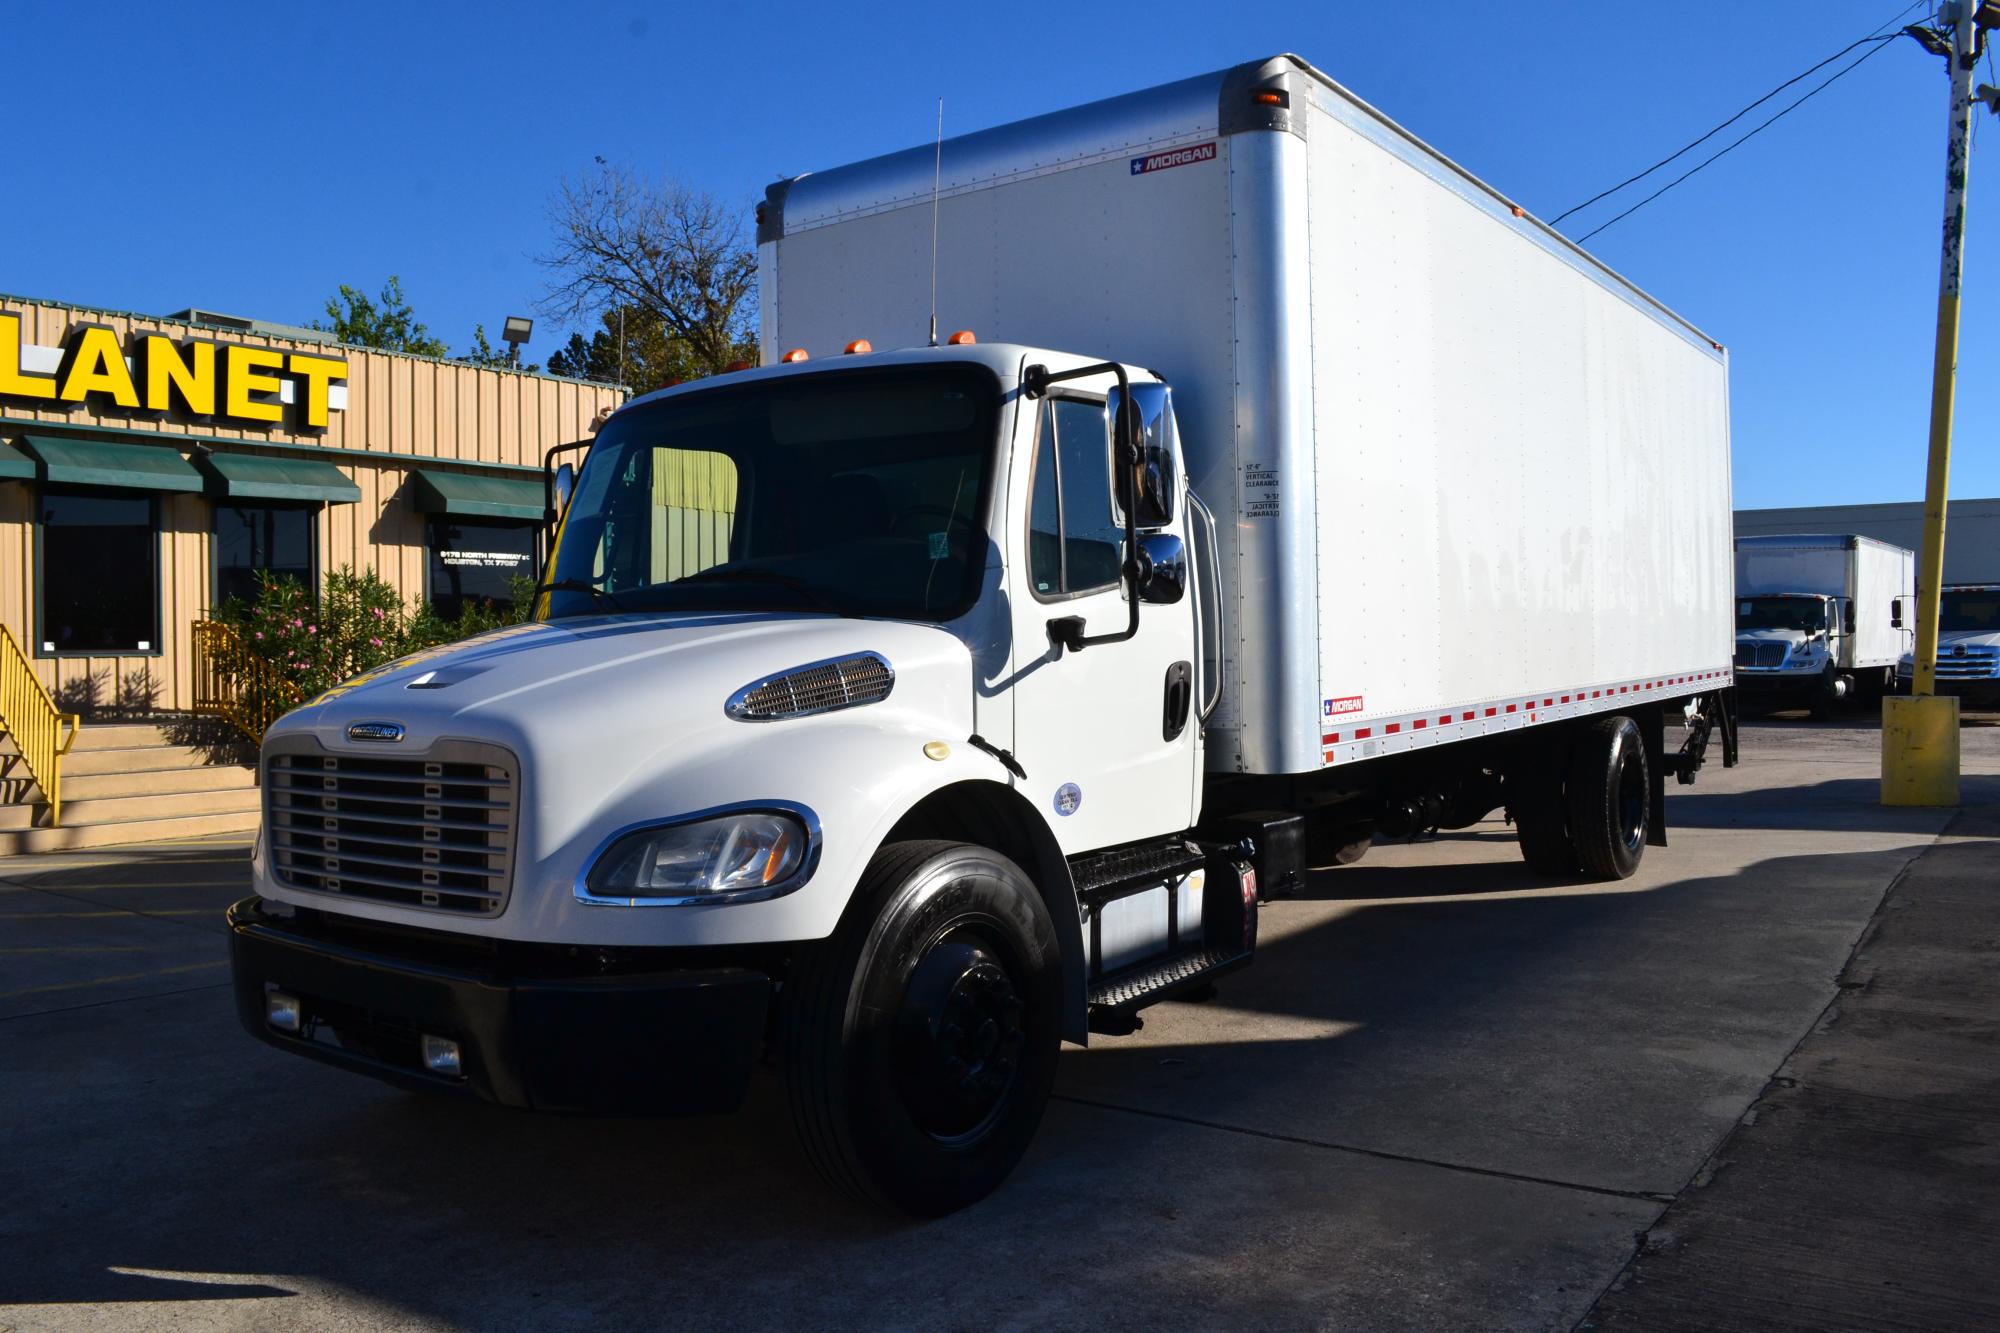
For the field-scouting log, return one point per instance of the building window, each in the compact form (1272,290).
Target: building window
(1074,537)
(478,563)
(250,539)
(100,578)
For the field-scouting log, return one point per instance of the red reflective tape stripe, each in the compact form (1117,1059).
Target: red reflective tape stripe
(1419,724)
(1510,708)
(1548,703)
(1363,733)
(1392,728)
(1333,739)
(1491,711)
(1565,698)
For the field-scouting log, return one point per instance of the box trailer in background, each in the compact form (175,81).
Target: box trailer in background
(899,714)
(1821,618)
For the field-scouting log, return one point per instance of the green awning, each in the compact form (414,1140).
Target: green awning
(143,467)
(262,477)
(468,496)
(15,465)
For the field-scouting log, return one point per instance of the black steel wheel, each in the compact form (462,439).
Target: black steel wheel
(1610,798)
(920,1040)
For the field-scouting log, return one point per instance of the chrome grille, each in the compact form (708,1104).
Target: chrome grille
(1760,654)
(817,687)
(431,831)
(1971,664)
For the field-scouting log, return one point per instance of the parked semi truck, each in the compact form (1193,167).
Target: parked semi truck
(896,716)
(1821,618)
(1968,661)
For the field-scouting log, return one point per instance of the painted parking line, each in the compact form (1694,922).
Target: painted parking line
(107,981)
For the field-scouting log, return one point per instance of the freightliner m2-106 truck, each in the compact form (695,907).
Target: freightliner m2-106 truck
(896,716)
(1820,618)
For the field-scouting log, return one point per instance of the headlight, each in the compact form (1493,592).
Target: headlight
(759,853)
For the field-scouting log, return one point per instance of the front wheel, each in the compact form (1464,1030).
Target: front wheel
(920,1040)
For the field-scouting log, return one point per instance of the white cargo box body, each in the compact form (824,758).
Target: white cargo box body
(1880,578)
(1467,478)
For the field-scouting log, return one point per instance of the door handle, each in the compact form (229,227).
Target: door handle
(1180,694)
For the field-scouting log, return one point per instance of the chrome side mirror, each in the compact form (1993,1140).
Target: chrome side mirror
(1162,568)
(565,485)
(1147,486)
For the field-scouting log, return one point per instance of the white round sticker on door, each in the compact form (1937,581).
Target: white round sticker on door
(1068,797)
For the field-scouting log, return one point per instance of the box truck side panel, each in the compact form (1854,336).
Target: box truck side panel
(1523,480)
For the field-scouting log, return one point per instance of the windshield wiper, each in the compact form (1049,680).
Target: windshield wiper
(771,576)
(578,585)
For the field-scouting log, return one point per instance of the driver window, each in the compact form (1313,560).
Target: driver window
(1074,539)
(1846,615)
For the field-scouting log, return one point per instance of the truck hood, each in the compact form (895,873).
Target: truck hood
(587,680)
(1790,637)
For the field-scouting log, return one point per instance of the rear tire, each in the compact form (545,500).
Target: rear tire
(1610,798)
(1541,824)
(919,1042)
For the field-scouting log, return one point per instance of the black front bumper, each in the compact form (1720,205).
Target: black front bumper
(670,1041)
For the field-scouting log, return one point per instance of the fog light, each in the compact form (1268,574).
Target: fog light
(282,1011)
(441,1056)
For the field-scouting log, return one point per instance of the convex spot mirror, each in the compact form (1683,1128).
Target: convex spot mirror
(565,485)
(1162,568)
(1146,488)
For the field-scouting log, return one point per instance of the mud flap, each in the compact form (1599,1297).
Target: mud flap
(1652,728)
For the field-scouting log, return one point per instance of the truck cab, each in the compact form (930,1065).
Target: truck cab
(876,682)
(1968,661)
(1794,645)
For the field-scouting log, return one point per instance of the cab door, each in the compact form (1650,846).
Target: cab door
(1107,734)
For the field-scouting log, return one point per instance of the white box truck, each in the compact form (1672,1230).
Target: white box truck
(1821,618)
(895,716)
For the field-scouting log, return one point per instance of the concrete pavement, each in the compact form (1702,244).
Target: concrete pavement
(1447,1094)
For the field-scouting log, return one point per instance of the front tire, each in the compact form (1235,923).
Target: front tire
(919,1042)
(1610,798)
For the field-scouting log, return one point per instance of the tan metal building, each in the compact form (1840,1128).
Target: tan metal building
(149,466)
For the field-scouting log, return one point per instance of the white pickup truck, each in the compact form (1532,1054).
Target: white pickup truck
(892,717)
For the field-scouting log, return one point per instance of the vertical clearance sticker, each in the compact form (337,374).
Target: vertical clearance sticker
(1174,157)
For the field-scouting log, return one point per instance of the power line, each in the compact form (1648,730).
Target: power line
(1881,45)
(1877,36)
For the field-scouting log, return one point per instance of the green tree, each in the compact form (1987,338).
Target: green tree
(385,322)
(653,357)
(483,353)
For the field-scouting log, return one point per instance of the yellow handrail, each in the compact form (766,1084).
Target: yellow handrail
(31,717)
(234,683)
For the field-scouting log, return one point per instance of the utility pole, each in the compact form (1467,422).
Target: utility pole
(1920,754)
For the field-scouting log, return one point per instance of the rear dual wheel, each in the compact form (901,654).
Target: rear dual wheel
(920,1040)
(1587,810)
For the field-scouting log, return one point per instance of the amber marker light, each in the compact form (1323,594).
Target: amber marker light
(858,346)
(963,338)
(796,354)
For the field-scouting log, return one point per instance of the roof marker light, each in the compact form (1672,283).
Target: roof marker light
(735,366)
(796,354)
(858,346)
(1265,97)
(963,338)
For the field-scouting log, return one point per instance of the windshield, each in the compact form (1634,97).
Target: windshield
(860,493)
(1798,613)
(1969,609)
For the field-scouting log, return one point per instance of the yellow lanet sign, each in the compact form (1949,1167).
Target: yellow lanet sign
(193,377)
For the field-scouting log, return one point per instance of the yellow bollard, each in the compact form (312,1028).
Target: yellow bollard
(1920,749)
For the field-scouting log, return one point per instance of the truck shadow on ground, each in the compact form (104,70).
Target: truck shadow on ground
(1835,805)
(1391,1026)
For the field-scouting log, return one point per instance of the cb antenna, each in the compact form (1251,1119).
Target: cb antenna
(937,178)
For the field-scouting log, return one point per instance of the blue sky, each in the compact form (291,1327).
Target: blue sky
(253,163)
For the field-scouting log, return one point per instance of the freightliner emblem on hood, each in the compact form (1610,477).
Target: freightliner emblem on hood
(375,731)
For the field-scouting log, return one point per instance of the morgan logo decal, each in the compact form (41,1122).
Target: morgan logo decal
(375,731)
(1174,157)
(1335,707)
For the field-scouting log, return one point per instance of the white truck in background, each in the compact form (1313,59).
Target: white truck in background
(893,717)
(1821,618)
(1968,662)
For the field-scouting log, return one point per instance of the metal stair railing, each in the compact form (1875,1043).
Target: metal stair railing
(42,732)
(235,684)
